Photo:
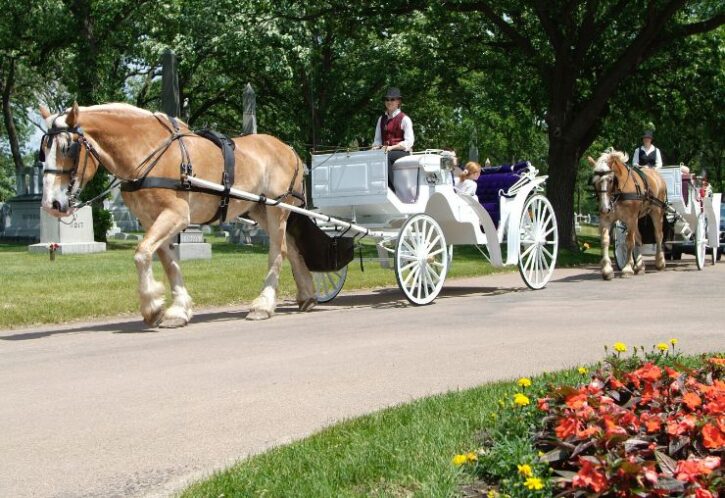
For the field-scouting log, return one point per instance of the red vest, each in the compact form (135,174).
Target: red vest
(391,130)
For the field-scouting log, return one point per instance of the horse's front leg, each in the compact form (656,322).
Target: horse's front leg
(306,296)
(628,271)
(180,312)
(606,263)
(151,291)
(264,305)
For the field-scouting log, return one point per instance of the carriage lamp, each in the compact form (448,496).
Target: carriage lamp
(448,160)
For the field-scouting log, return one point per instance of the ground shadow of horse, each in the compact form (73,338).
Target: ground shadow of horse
(389,298)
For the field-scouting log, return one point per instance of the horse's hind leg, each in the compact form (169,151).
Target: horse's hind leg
(306,297)
(263,306)
(657,220)
(180,312)
(151,291)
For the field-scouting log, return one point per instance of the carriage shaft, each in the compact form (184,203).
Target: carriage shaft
(248,196)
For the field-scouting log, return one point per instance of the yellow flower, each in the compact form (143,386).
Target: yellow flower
(534,483)
(524,382)
(521,399)
(492,494)
(582,370)
(525,470)
(471,456)
(662,346)
(674,341)
(586,246)
(459,460)
(620,347)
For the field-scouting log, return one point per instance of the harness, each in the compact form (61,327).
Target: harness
(149,163)
(639,195)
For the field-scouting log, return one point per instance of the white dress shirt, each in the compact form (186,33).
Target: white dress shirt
(658,157)
(466,186)
(406,124)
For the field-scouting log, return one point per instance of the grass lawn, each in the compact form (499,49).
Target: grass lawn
(34,290)
(401,451)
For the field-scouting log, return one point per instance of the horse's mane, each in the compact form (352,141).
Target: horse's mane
(116,107)
(610,154)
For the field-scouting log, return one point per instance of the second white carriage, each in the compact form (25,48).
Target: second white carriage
(510,220)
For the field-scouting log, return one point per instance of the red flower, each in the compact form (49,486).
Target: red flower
(612,429)
(543,404)
(692,400)
(672,373)
(567,427)
(677,428)
(588,432)
(702,493)
(589,477)
(648,373)
(614,383)
(690,470)
(712,437)
(717,361)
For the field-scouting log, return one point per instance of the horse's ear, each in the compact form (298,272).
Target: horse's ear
(591,161)
(44,112)
(72,119)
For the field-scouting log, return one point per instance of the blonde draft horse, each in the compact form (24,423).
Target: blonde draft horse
(122,138)
(624,195)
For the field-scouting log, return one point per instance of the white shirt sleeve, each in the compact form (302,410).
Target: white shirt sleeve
(408,135)
(635,157)
(658,158)
(378,140)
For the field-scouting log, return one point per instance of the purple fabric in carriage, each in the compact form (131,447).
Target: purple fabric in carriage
(494,180)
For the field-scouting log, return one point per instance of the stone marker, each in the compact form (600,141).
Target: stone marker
(74,234)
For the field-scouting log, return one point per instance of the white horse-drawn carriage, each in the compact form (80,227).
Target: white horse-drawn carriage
(692,220)
(416,226)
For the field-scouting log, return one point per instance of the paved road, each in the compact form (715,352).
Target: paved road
(106,410)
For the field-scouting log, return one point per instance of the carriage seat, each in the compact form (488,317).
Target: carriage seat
(497,180)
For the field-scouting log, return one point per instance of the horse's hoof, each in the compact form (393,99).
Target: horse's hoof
(307,304)
(627,274)
(154,319)
(257,315)
(173,322)
(607,276)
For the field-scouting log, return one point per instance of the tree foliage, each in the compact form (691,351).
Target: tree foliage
(548,81)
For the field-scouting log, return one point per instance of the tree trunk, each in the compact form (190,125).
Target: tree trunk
(563,163)
(6,87)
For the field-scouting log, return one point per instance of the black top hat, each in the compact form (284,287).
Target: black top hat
(647,134)
(393,93)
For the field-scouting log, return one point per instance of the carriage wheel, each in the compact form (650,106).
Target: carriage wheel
(329,284)
(700,241)
(538,242)
(421,259)
(618,235)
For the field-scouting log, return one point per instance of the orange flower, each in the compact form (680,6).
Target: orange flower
(717,361)
(691,470)
(692,400)
(651,421)
(576,401)
(712,437)
(615,383)
(671,373)
(588,432)
(677,428)
(589,477)
(567,427)
(612,429)
(543,404)
(702,493)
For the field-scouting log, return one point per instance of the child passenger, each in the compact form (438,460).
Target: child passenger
(466,181)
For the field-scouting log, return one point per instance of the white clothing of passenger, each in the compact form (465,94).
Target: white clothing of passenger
(406,124)
(466,186)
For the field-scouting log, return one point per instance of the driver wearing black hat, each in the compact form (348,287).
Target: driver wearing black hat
(394,131)
(647,154)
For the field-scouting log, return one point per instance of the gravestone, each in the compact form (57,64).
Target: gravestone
(73,234)
(21,213)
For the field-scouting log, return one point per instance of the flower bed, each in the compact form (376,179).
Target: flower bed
(643,425)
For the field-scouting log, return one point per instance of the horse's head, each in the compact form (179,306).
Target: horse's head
(67,163)
(604,174)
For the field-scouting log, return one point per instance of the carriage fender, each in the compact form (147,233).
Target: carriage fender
(511,210)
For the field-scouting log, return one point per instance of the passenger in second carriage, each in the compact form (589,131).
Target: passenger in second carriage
(394,131)
(466,181)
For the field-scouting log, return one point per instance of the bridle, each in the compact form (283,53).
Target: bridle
(144,167)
